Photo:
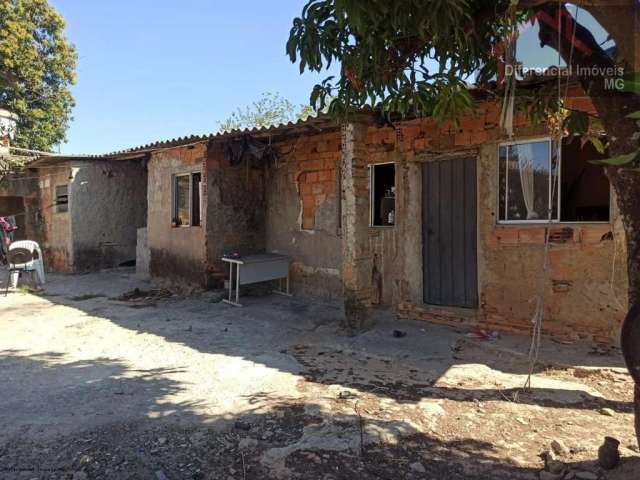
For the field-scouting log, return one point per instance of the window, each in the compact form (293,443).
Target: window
(382,191)
(186,204)
(62,198)
(196,191)
(527,173)
(530,187)
(585,190)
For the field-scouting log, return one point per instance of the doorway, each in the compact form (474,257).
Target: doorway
(449,223)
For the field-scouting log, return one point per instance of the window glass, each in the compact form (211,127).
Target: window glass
(526,173)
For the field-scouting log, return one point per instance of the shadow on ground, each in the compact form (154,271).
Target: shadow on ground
(275,438)
(133,422)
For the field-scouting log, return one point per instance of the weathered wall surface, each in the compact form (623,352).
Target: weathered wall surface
(176,253)
(19,197)
(108,205)
(303,213)
(55,226)
(235,214)
(585,289)
(142,254)
(303,221)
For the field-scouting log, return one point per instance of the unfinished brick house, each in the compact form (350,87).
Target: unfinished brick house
(438,223)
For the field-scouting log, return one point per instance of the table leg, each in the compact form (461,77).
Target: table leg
(230,279)
(238,284)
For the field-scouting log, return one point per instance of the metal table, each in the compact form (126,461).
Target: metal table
(254,269)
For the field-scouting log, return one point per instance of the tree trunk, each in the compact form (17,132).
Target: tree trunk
(613,108)
(626,183)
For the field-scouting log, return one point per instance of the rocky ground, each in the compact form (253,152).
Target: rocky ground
(103,381)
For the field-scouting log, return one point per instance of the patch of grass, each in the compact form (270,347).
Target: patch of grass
(86,296)
(30,290)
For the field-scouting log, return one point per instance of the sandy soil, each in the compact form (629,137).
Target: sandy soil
(161,386)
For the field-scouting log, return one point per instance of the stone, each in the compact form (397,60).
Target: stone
(80,476)
(548,456)
(544,475)
(162,440)
(247,443)
(609,454)
(559,447)
(240,425)
(556,467)
(160,475)
(313,457)
(346,394)
(586,475)
(417,467)
(607,412)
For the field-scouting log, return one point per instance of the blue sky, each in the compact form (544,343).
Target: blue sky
(150,70)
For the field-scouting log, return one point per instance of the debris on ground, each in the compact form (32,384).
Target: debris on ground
(144,295)
(346,395)
(280,395)
(483,334)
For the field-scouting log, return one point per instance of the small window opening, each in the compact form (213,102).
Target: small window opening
(382,190)
(62,198)
(186,202)
(196,187)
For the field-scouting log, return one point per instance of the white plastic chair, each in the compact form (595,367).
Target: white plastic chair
(35,265)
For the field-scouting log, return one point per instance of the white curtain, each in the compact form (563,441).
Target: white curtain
(525,165)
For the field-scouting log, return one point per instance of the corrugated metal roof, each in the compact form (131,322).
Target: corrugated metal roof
(320,123)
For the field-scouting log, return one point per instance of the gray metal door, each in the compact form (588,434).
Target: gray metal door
(449,223)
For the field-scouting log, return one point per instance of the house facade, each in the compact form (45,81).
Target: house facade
(83,212)
(446,223)
(432,221)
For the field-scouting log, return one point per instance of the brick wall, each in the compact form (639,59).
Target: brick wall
(303,212)
(235,209)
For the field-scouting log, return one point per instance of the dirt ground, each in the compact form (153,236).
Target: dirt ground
(97,385)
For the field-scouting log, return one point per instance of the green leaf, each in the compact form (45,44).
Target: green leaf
(632,83)
(598,144)
(634,115)
(577,122)
(618,161)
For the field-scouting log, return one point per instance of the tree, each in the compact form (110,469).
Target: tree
(269,109)
(37,67)
(387,50)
